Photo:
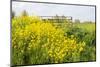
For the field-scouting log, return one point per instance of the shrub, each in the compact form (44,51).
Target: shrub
(37,42)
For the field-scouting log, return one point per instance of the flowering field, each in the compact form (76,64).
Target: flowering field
(35,41)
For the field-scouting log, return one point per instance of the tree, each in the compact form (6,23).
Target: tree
(77,21)
(24,13)
(13,14)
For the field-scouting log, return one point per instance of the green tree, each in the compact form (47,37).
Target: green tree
(77,21)
(24,13)
(13,14)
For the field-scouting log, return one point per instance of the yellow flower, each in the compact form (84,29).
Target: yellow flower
(80,49)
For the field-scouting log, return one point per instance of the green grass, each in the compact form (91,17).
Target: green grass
(86,26)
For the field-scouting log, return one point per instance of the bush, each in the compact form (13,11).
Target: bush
(38,42)
(89,37)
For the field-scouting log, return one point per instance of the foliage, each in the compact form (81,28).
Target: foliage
(13,14)
(35,41)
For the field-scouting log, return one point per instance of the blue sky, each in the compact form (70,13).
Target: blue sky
(83,13)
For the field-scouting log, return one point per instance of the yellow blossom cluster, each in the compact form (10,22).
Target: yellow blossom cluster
(42,42)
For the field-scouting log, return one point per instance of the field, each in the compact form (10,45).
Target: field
(87,26)
(35,41)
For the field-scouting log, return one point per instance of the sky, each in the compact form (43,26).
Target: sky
(83,13)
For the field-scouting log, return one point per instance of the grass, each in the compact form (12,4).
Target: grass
(86,26)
